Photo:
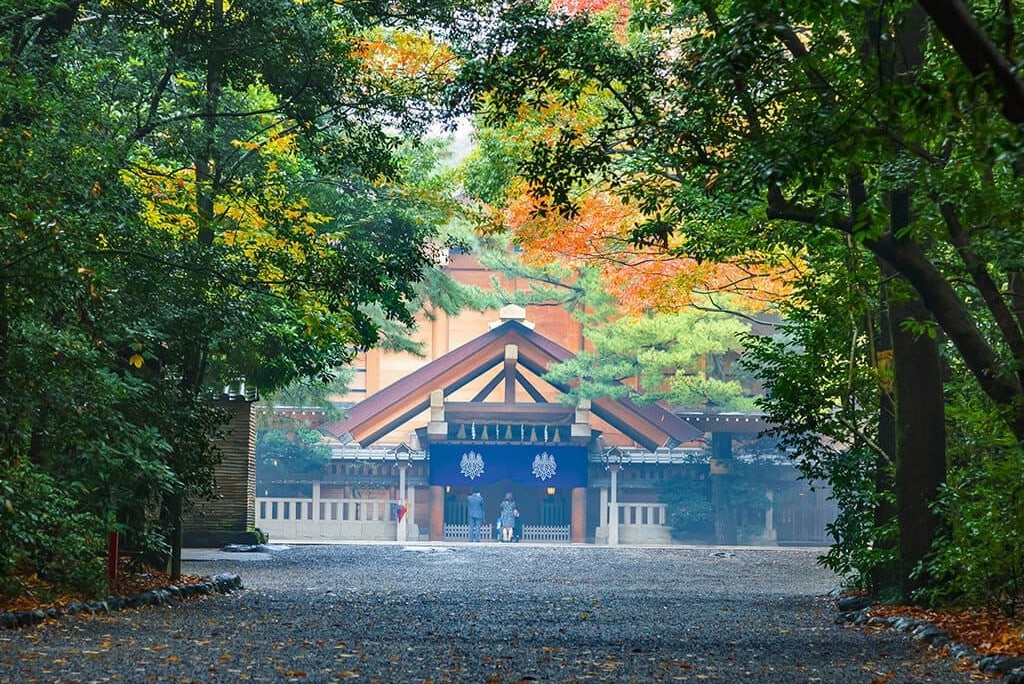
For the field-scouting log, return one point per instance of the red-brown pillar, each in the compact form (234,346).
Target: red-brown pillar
(436,513)
(578,522)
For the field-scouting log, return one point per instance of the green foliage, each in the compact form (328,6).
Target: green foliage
(689,509)
(308,393)
(979,560)
(677,358)
(864,548)
(489,172)
(184,208)
(43,531)
(794,131)
(822,392)
(281,453)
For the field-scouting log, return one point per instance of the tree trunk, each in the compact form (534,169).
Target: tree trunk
(722,465)
(206,174)
(921,453)
(883,577)
(920,404)
(920,418)
(939,298)
(725,510)
(980,54)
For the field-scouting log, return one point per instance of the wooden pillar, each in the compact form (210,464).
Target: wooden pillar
(316,509)
(613,514)
(721,445)
(721,488)
(412,505)
(578,521)
(770,535)
(402,526)
(509,370)
(439,336)
(373,371)
(436,513)
(602,507)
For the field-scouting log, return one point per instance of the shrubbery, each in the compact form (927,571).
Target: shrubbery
(979,560)
(45,532)
(689,508)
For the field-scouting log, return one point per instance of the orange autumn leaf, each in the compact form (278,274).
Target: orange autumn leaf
(394,56)
(621,8)
(642,278)
(580,6)
(987,630)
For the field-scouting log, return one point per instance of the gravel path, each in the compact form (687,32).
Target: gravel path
(484,613)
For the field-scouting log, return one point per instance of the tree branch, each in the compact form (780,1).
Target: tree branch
(982,280)
(979,53)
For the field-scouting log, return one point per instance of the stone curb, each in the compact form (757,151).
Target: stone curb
(224,583)
(853,609)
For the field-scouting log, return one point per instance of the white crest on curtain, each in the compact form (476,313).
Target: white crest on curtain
(544,466)
(472,465)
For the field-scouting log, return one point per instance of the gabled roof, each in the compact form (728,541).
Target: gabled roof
(651,426)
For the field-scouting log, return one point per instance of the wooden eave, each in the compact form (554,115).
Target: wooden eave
(651,426)
(481,412)
(734,423)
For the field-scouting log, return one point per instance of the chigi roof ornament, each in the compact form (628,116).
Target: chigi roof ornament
(512,312)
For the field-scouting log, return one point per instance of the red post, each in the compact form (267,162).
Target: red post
(112,558)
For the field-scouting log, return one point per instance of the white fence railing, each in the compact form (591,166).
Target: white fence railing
(546,533)
(374,520)
(639,523)
(303,518)
(329,509)
(642,513)
(531,533)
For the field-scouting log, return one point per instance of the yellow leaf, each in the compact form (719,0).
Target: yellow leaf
(136,360)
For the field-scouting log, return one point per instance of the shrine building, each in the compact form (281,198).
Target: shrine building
(480,415)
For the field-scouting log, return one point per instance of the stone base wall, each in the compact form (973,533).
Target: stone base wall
(364,530)
(637,534)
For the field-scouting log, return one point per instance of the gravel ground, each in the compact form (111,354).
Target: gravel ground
(485,613)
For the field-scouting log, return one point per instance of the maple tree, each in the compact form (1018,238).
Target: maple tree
(588,225)
(584,220)
(642,277)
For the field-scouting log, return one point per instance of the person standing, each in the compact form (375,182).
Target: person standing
(508,516)
(475,505)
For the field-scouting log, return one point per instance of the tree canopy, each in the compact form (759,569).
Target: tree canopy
(850,145)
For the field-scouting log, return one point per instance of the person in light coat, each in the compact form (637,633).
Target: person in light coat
(508,517)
